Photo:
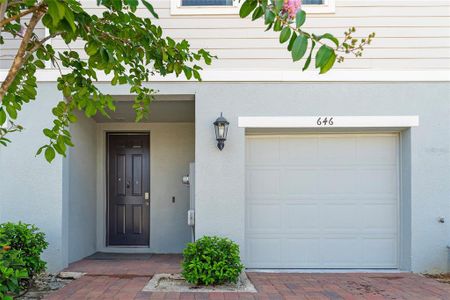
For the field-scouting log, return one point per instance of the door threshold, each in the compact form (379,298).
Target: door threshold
(326,270)
(126,246)
(126,249)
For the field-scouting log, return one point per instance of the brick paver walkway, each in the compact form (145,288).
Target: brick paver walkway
(125,279)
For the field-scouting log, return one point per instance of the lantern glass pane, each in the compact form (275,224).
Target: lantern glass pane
(221,129)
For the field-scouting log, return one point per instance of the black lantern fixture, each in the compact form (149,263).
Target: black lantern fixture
(221,128)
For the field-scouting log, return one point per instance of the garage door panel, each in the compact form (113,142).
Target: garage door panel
(298,181)
(264,251)
(336,181)
(380,253)
(303,252)
(378,181)
(298,151)
(263,182)
(301,217)
(322,201)
(339,217)
(262,150)
(264,217)
(336,150)
(343,252)
(373,213)
(377,150)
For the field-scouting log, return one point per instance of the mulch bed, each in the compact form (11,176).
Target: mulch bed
(444,277)
(43,285)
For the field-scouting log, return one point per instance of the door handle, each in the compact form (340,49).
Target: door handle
(128,184)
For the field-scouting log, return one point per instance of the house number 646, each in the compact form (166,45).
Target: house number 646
(321,121)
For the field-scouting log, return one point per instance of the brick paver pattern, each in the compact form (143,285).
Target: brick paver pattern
(125,279)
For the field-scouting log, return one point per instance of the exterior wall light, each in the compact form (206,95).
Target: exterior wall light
(221,128)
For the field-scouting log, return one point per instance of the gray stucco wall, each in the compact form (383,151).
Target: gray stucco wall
(220,181)
(30,188)
(220,190)
(82,189)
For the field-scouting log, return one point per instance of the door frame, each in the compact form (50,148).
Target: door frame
(102,185)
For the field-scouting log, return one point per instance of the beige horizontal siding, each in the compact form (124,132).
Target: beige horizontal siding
(410,35)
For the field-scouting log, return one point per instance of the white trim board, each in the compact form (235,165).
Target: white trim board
(328,7)
(324,122)
(282,76)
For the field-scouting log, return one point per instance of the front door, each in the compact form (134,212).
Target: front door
(128,189)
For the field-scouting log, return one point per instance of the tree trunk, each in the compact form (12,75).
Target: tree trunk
(19,58)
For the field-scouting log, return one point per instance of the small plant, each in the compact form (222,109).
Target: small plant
(21,246)
(211,261)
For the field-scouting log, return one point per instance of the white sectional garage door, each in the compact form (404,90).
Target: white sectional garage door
(322,201)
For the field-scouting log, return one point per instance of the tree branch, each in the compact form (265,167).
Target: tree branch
(38,44)
(3,7)
(19,59)
(3,21)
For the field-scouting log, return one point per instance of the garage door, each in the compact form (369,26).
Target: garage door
(322,201)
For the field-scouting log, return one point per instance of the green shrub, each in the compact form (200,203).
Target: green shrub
(211,261)
(12,273)
(21,248)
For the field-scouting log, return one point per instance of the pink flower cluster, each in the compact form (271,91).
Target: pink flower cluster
(291,7)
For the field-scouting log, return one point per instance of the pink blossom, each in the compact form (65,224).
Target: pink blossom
(291,7)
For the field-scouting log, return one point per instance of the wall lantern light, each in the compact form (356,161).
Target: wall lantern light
(221,128)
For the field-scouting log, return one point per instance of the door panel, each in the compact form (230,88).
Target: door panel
(128,179)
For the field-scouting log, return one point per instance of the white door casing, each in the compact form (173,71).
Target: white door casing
(322,201)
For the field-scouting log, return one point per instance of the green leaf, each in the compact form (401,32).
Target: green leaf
(49,154)
(300,18)
(39,64)
(328,64)
(49,133)
(56,10)
(330,37)
(68,15)
(247,8)
(2,116)
(257,13)
(40,149)
(292,40)
(279,4)
(91,48)
(285,34)
(12,112)
(187,72)
(150,9)
(299,47)
(269,17)
(308,60)
(323,55)
(277,26)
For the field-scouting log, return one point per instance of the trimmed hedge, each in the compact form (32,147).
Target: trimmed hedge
(211,260)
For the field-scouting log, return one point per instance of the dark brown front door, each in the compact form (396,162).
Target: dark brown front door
(128,188)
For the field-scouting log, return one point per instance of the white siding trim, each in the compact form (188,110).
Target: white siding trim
(329,6)
(338,122)
(176,8)
(284,76)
